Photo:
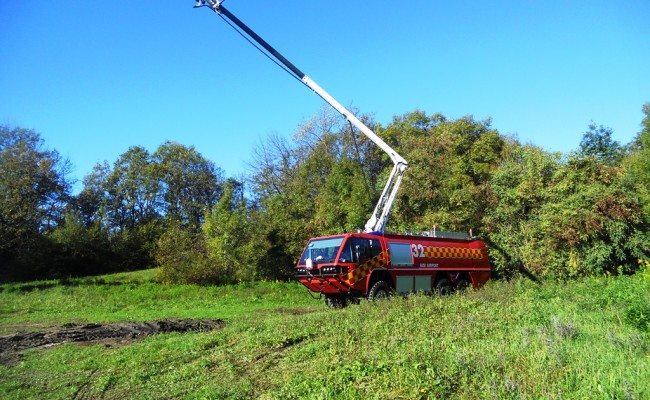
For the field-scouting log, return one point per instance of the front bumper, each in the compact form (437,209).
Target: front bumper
(323,284)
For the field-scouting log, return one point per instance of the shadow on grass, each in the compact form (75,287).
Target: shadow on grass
(30,287)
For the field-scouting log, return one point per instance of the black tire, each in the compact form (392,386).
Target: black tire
(336,301)
(381,290)
(443,287)
(462,285)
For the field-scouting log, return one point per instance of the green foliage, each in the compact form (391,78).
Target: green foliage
(132,190)
(516,194)
(638,315)
(180,254)
(228,248)
(190,183)
(323,184)
(34,190)
(637,163)
(342,203)
(542,214)
(597,142)
(591,222)
(133,248)
(93,202)
(233,251)
(563,218)
(81,249)
(450,164)
(112,224)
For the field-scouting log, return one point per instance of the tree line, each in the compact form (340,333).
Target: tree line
(542,214)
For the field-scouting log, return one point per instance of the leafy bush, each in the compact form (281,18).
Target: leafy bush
(180,254)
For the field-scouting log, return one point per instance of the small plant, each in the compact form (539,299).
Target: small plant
(644,269)
(638,316)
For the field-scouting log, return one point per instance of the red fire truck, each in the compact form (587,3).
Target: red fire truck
(372,263)
(357,265)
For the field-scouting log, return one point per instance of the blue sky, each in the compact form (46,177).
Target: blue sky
(94,78)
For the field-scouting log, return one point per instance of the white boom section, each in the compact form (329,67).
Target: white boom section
(379,217)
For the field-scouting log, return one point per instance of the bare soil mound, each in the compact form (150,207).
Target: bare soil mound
(116,332)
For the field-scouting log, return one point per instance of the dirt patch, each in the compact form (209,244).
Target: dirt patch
(12,345)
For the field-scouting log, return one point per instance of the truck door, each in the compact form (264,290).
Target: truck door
(361,250)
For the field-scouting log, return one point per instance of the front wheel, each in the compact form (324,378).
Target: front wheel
(379,291)
(336,301)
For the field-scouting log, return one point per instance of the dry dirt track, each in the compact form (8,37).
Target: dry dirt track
(12,345)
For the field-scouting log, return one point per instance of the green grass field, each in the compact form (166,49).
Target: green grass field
(509,340)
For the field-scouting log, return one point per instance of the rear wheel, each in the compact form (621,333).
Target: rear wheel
(462,284)
(443,287)
(379,291)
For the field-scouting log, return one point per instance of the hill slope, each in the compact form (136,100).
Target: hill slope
(514,339)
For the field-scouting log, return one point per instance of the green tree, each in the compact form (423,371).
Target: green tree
(181,255)
(143,196)
(233,248)
(227,249)
(133,191)
(591,223)
(123,204)
(597,142)
(342,203)
(318,185)
(637,163)
(451,163)
(34,195)
(558,218)
(78,248)
(92,202)
(190,183)
(517,191)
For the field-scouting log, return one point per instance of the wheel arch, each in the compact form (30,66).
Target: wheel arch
(379,275)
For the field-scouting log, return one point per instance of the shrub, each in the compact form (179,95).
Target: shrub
(638,316)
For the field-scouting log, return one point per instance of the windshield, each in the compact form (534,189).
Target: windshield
(322,250)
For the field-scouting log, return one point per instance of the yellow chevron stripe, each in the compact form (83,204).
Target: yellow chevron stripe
(362,270)
(452,252)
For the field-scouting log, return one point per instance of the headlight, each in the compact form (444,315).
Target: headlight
(334,270)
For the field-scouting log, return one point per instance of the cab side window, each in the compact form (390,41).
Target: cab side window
(365,249)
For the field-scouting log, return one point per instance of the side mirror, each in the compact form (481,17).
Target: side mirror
(309,264)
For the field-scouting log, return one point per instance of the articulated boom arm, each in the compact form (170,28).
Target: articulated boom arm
(379,217)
